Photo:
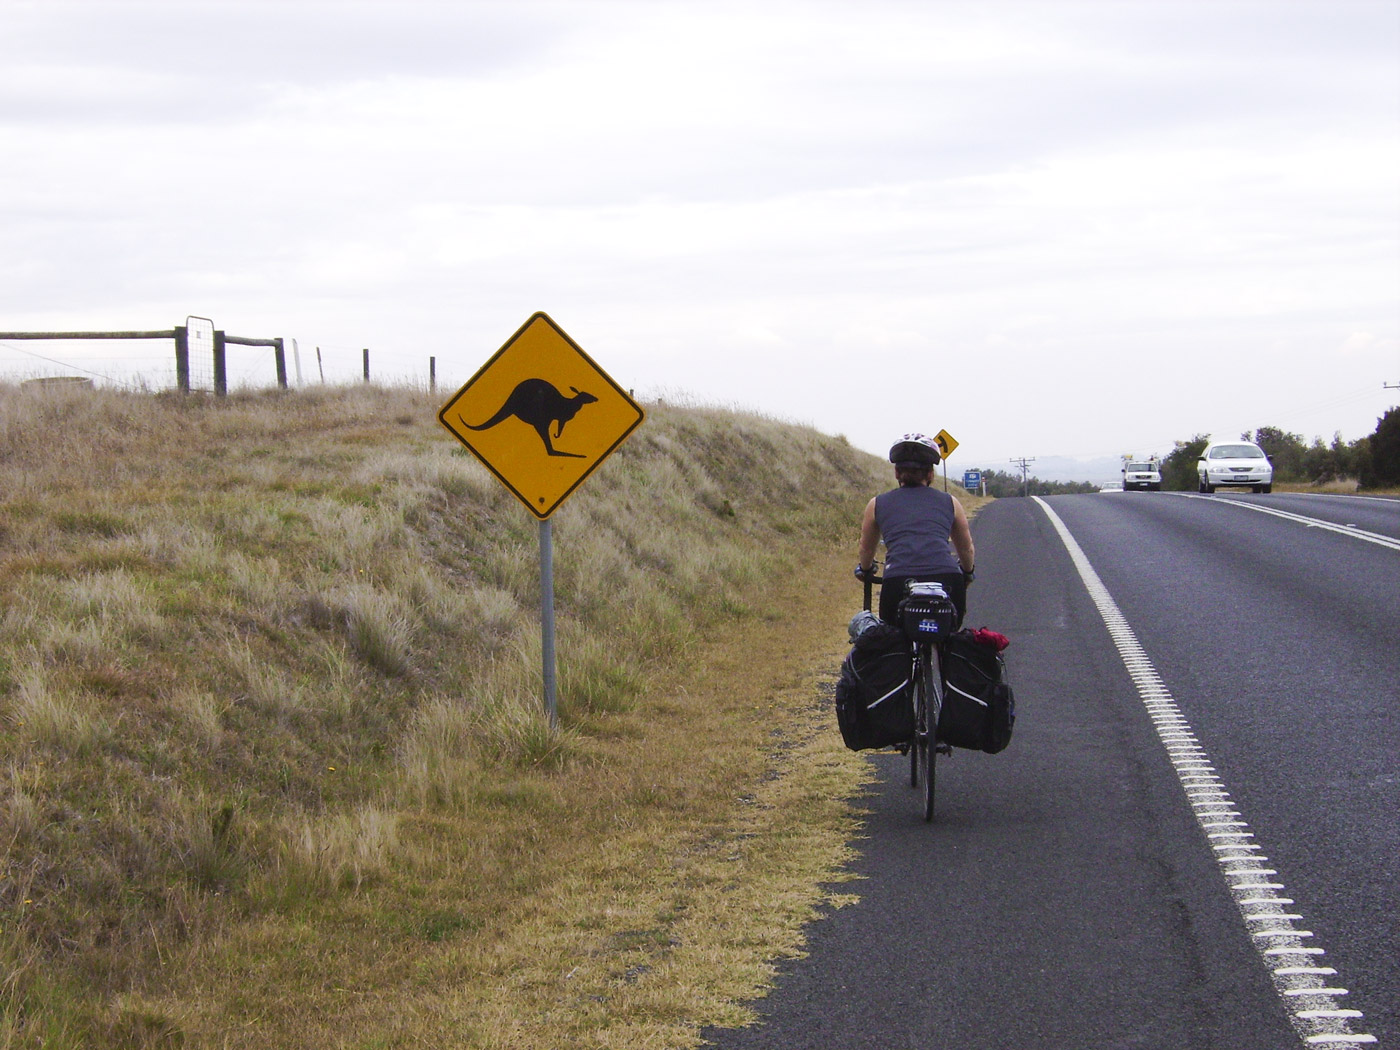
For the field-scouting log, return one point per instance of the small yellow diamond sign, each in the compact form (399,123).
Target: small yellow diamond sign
(946,443)
(541,415)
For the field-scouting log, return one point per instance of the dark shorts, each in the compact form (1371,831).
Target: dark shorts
(892,593)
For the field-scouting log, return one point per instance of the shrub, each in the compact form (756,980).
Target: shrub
(1382,468)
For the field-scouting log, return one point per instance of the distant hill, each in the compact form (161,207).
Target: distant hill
(1067,468)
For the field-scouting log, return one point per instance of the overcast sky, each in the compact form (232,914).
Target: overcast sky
(1050,228)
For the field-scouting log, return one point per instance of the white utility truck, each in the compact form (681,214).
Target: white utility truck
(1141,474)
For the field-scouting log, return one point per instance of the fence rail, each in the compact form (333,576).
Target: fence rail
(168,333)
(180,334)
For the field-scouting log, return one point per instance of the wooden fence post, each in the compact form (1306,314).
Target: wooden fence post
(220,365)
(279,352)
(432,373)
(366,364)
(182,359)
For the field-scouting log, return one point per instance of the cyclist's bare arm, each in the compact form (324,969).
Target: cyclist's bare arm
(869,537)
(962,538)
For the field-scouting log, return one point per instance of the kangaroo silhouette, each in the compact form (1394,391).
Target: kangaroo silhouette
(538,403)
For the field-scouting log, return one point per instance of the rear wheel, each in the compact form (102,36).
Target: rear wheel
(915,685)
(927,728)
(926,755)
(914,746)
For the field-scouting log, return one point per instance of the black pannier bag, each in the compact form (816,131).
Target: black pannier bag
(874,704)
(979,709)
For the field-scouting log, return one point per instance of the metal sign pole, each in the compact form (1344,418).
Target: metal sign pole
(547,618)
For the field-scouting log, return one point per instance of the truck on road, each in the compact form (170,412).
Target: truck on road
(1143,474)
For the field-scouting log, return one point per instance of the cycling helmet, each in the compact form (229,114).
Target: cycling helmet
(915,450)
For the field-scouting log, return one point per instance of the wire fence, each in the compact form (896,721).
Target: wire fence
(150,362)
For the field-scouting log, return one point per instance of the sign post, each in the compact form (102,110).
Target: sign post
(541,416)
(551,704)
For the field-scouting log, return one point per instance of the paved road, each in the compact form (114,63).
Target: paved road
(1068,895)
(1379,514)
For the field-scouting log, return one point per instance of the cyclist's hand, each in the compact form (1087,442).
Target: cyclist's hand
(862,573)
(969,575)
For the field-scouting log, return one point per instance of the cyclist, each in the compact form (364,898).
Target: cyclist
(926,534)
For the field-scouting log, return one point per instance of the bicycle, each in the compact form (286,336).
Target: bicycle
(928,617)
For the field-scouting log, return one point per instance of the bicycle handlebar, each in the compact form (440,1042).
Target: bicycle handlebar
(870,579)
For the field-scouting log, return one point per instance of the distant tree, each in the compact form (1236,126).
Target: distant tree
(1003,485)
(1350,456)
(1324,463)
(1320,462)
(1383,468)
(1292,459)
(1284,450)
(1060,488)
(1179,465)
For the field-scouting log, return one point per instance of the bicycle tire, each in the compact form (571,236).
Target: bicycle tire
(916,685)
(914,744)
(927,728)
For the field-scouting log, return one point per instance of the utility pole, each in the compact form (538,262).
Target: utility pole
(1025,483)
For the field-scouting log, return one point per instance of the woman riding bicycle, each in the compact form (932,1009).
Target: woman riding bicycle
(927,538)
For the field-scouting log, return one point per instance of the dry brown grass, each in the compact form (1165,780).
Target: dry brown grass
(1341,486)
(274,770)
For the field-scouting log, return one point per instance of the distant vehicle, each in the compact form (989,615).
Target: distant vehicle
(1142,474)
(1234,463)
(1112,486)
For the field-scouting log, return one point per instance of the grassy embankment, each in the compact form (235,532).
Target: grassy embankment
(274,772)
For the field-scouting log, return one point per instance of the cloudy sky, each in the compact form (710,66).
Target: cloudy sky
(1050,228)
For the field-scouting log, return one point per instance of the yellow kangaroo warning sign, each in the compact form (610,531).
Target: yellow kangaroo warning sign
(541,415)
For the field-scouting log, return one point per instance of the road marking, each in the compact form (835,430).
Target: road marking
(1293,979)
(1312,523)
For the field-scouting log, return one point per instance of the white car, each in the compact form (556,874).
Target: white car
(1234,463)
(1142,474)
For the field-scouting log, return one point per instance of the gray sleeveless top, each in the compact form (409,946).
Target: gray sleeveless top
(915,524)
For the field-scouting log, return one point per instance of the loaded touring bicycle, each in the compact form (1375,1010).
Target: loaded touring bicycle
(923,686)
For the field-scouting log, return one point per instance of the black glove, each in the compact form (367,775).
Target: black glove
(861,573)
(969,575)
